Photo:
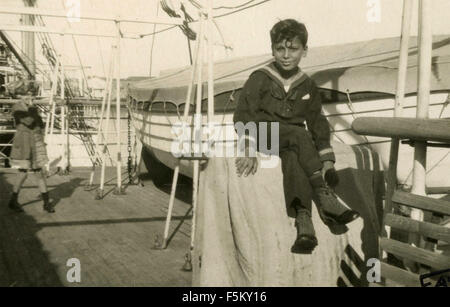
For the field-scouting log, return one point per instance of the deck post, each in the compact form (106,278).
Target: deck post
(403,61)
(184,122)
(100,132)
(423,95)
(399,100)
(198,113)
(108,113)
(210,63)
(119,155)
(64,113)
(424,77)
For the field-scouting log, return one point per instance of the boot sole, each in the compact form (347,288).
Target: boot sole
(304,247)
(49,210)
(343,219)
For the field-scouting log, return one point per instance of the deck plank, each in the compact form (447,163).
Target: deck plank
(112,238)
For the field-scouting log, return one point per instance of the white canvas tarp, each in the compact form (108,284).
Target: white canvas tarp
(243,234)
(369,66)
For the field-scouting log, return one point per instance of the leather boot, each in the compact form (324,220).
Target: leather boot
(13,204)
(48,206)
(306,236)
(331,210)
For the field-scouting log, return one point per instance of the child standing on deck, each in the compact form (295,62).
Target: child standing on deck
(280,92)
(28,153)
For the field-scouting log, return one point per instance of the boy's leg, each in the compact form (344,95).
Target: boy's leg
(306,239)
(42,184)
(300,140)
(297,192)
(331,210)
(41,181)
(20,179)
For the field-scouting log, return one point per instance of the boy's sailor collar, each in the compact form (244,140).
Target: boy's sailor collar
(290,83)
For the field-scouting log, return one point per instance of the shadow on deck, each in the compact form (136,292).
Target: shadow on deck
(113,238)
(23,262)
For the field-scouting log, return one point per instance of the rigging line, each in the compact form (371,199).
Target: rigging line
(82,68)
(79,58)
(51,47)
(225,45)
(26,56)
(98,40)
(233,7)
(47,75)
(242,9)
(46,40)
(153,39)
(158,32)
(46,36)
(48,44)
(194,21)
(198,5)
(16,55)
(445,103)
(352,110)
(444,106)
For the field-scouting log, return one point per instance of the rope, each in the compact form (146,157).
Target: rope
(153,39)
(78,56)
(447,101)
(230,99)
(198,5)
(242,9)
(98,40)
(445,156)
(27,57)
(196,20)
(350,106)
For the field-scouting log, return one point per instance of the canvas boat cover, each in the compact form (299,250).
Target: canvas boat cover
(243,234)
(369,66)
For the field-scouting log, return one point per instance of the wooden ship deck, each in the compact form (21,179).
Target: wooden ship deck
(113,238)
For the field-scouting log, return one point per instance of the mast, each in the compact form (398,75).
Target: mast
(28,45)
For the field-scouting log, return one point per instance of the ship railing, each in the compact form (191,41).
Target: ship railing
(428,254)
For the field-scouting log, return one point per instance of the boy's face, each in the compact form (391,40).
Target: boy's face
(288,53)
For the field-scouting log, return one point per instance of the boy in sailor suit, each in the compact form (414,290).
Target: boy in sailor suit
(280,92)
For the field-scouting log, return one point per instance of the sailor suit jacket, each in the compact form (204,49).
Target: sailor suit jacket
(267,97)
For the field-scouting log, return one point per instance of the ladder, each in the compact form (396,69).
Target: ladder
(78,123)
(433,234)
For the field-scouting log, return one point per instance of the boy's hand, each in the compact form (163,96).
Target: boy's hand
(246,165)
(329,174)
(327,165)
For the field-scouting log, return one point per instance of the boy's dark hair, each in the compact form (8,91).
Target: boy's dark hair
(289,29)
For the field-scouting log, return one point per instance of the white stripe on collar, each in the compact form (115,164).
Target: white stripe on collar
(286,82)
